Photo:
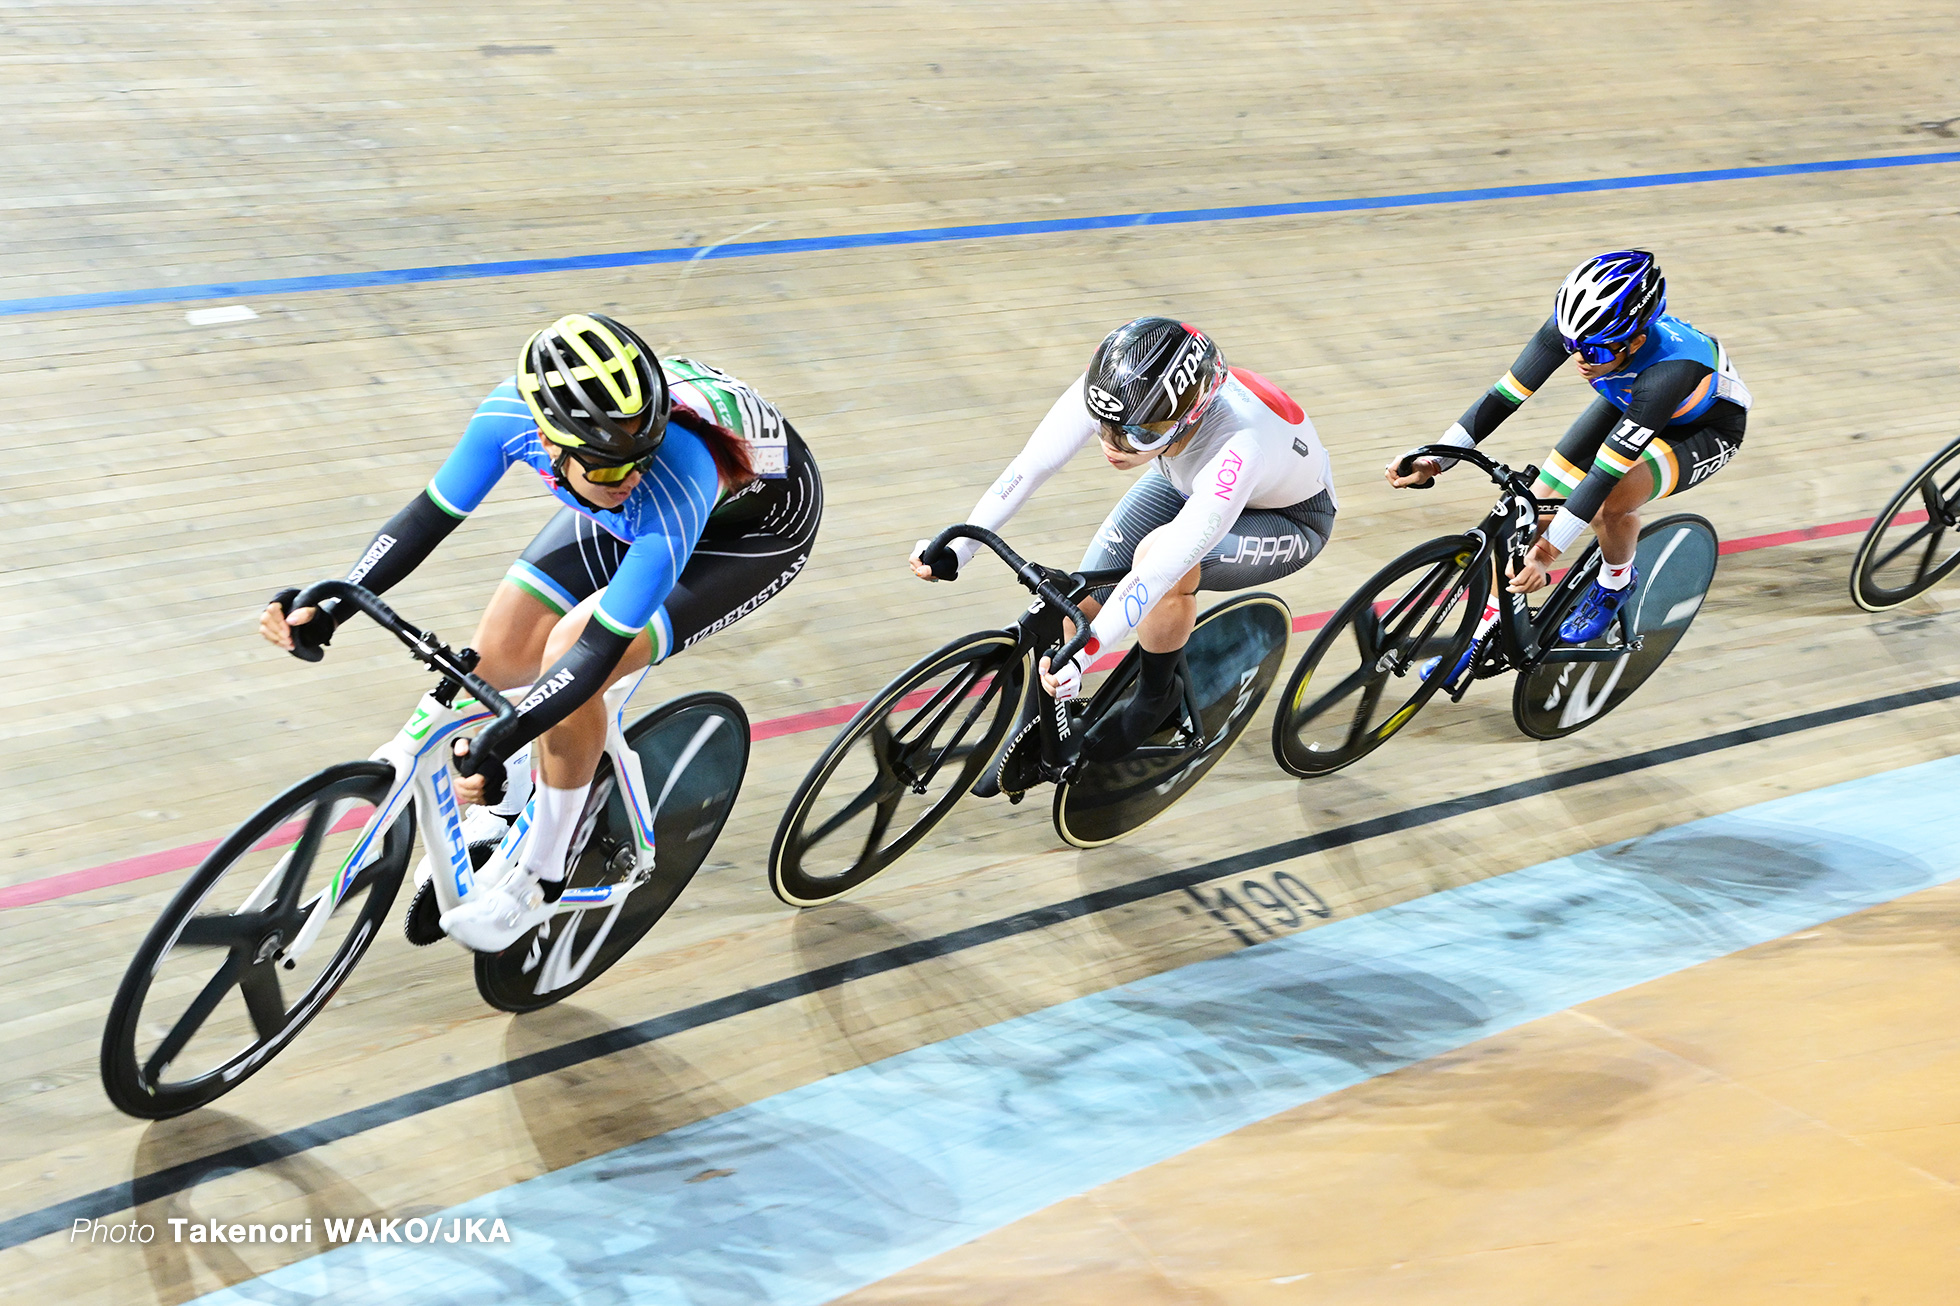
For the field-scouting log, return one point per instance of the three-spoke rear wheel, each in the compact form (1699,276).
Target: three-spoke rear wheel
(1915,543)
(1363,676)
(215,991)
(900,765)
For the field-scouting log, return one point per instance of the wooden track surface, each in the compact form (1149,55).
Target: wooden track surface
(163,478)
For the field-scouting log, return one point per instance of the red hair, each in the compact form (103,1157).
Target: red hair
(729,450)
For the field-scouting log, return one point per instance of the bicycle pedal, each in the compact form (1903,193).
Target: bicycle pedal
(422,923)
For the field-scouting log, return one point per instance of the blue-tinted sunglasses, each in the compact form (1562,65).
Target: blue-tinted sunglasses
(1597,354)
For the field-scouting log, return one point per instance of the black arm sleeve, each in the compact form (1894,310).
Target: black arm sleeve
(1657,393)
(1543,354)
(399,547)
(576,677)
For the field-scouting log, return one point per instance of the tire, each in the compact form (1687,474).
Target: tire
(1895,563)
(171,1010)
(694,753)
(1234,655)
(1423,605)
(1676,557)
(900,765)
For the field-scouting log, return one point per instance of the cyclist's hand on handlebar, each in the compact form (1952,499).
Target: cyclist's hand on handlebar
(1423,472)
(1065,684)
(1535,574)
(474,785)
(303,632)
(947,563)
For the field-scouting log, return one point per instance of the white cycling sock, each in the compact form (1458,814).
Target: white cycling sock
(1615,577)
(554,817)
(517,785)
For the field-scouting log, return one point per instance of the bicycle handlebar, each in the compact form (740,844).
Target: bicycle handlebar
(1032,576)
(1447,453)
(423,645)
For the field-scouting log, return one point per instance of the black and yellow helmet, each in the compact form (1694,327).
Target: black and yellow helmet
(595,386)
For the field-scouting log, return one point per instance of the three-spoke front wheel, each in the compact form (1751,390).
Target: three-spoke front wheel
(215,990)
(1369,669)
(900,765)
(1915,543)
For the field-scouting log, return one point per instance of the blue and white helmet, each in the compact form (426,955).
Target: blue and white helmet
(1608,300)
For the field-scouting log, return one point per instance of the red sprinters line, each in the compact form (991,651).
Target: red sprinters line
(70,883)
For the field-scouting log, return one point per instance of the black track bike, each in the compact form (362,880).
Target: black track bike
(1914,544)
(1403,636)
(923,741)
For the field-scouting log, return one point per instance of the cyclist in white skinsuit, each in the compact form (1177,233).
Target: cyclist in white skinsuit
(1239,493)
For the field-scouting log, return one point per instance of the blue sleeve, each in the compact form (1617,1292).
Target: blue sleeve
(683,490)
(482,455)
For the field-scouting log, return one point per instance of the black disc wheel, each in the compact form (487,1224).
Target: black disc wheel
(1234,655)
(693,751)
(1676,559)
(1381,656)
(214,991)
(1915,543)
(900,765)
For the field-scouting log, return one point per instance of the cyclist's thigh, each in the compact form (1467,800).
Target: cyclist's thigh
(565,632)
(1681,462)
(1150,503)
(1573,456)
(1265,544)
(732,572)
(568,562)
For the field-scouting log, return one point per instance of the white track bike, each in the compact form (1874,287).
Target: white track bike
(282,910)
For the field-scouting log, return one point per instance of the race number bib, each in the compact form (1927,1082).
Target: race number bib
(739,408)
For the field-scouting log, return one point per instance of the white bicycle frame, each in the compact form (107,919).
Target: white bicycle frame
(424,772)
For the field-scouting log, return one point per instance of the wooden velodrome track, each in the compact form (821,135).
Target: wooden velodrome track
(162,478)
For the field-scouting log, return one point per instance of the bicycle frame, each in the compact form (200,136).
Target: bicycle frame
(1039,628)
(1506,534)
(424,766)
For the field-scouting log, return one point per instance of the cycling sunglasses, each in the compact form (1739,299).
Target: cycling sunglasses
(1597,354)
(601,470)
(1142,437)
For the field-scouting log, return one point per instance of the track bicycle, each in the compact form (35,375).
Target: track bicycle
(283,909)
(1914,544)
(1441,617)
(920,744)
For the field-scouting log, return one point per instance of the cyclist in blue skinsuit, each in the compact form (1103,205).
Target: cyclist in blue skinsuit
(688,501)
(1670,414)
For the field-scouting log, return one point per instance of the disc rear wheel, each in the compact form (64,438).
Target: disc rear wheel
(1234,654)
(694,752)
(1676,559)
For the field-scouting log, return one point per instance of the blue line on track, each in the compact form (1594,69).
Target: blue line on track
(806,1195)
(928,235)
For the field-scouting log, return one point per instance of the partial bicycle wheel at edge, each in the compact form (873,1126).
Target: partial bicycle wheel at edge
(1676,557)
(900,765)
(204,1004)
(1361,679)
(694,753)
(1235,653)
(1914,544)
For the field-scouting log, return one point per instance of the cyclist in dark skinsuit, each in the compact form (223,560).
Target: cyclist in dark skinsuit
(685,508)
(1670,414)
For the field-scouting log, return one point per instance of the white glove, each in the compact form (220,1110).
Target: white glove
(1067,683)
